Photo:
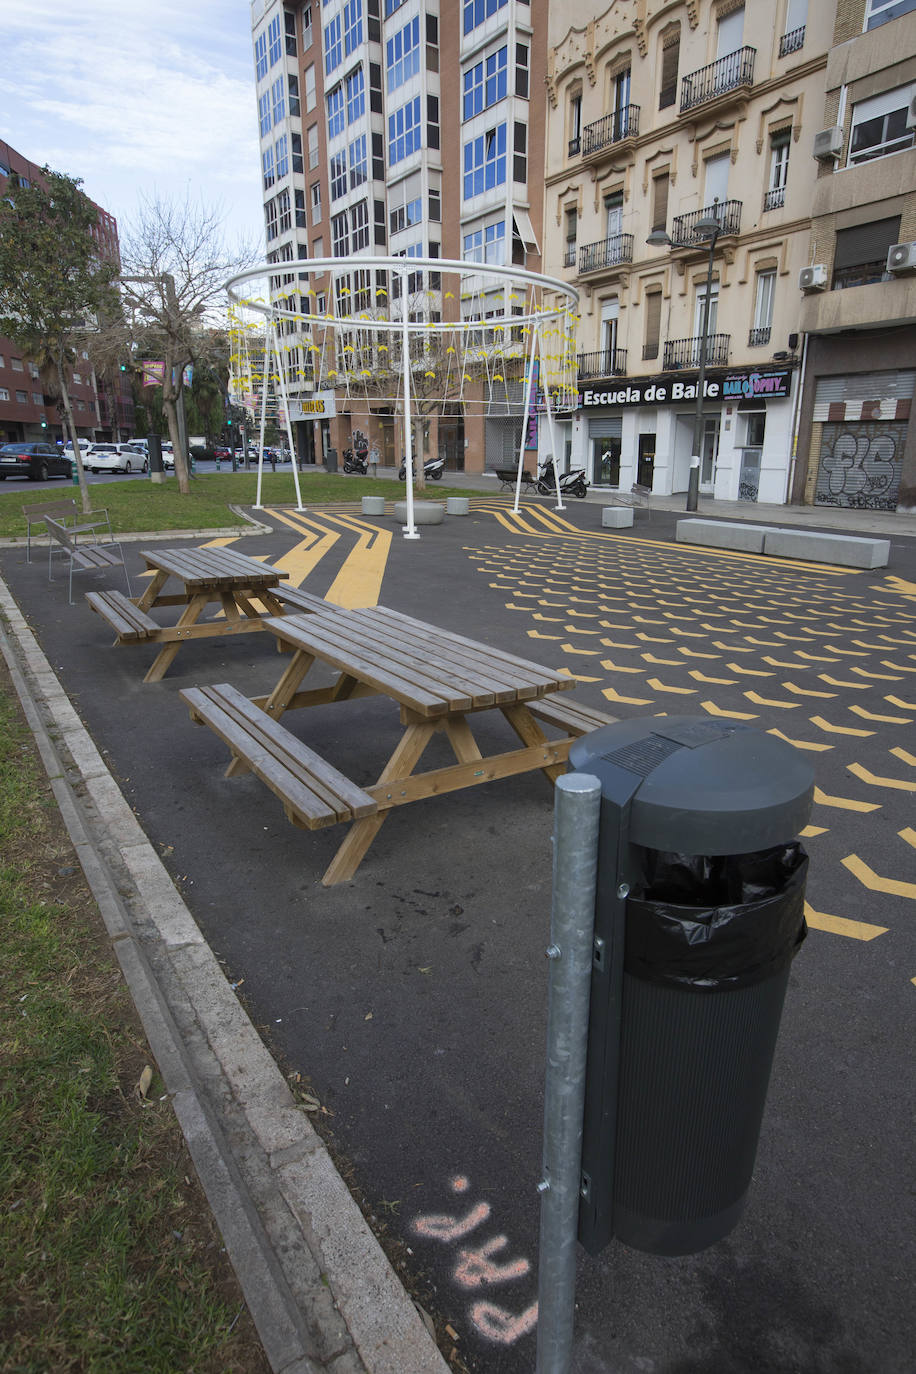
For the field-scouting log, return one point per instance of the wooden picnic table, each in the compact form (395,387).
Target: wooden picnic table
(242,586)
(438,679)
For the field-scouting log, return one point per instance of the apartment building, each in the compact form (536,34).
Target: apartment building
(694,123)
(396,128)
(856,445)
(101,409)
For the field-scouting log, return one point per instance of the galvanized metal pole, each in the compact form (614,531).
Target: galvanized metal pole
(575,866)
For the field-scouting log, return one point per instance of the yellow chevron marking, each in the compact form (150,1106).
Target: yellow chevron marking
(811,832)
(536,634)
(758,700)
(691,634)
(841,925)
(749,672)
(712,709)
(796,639)
(555,605)
(613,695)
(583,653)
(613,667)
(807,691)
(579,630)
(814,658)
(652,639)
(900,667)
(222,542)
(669,615)
(648,620)
(904,705)
(874,677)
(886,720)
(663,662)
(897,784)
(844,803)
(904,756)
(576,677)
(839,729)
(303,557)
(731,648)
(847,653)
(713,681)
(762,643)
(801,744)
(894,887)
(838,682)
(908,835)
(551,619)
(661,687)
(897,584)
(695,653)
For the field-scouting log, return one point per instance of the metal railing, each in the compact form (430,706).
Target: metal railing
(608,253)
(569,259)
(727,212)
(606,362)
(612,128)
(575,146)
(775,199)
(758,337)
(734,70)
(791,42)
(685,353)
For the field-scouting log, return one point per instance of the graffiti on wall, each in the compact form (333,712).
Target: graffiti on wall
(860,464)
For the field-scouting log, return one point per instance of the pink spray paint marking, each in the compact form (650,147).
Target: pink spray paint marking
(496,1324)
(446,1228)
(475,1268)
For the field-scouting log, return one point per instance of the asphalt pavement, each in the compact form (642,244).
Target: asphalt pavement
(411,1001)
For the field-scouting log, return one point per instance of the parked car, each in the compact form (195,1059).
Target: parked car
(222,452)
(34,460)
(115,458)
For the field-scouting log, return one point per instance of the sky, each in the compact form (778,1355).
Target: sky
(153,101)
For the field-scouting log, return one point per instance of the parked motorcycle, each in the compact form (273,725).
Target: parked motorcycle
(356,462)
(571,483)
(433,469)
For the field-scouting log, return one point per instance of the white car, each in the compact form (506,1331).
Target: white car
(115,458)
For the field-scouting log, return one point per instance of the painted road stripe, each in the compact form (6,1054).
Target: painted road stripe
(807,691)
(904,705)
(305,556)
(873,780)
(758,700)
(713,710)
(800,743)
(893,887)
(839,729)
(841,925)
(844,803)
(886,720)
(904,756)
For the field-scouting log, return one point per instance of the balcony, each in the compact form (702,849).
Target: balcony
(729,74)
(685,353)
(727,212)
(791,42)
(607,362)
(775,200)
(759,338)
(569,257)
(608,253)
(613,128)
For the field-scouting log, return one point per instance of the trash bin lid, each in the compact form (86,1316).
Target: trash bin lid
(709,787)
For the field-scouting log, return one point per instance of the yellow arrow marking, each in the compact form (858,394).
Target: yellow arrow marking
(900,667)
(837,682)
(898,784)
(800,743)
(613,695)
(553,619)
(749,672)
(839,729)
(714,710)
(576,677)
(844,803)
(758,700)
(814,658)
(904,756)
(904,705)
(305,556)
(780,663)
(616,667)
(841,925)
(898,584)
(894,887)
(652,639)
(579,630)
(612,644)
(874,677)
(536,634)
(887,720)
(695,653)
(661,687)
(713,681)
(663,662)
(583,653)
(807,691)
(690,634)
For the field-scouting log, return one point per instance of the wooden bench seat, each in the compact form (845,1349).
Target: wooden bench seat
(313,792)
(572,716)
(509,476)
(298,600)
(129,623)
(85,557)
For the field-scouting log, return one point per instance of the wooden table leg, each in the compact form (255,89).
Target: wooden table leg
(530,732)
(150,593)
(163,660)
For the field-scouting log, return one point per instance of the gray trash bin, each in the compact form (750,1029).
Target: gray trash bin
(330,460)
(699,912)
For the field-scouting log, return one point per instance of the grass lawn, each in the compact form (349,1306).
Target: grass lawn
(137,504)
(111,1260)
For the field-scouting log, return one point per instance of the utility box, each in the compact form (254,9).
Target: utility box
(698,914)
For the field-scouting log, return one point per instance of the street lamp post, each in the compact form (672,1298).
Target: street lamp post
(708,228)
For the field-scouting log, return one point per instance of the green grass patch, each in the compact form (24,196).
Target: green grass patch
(139,505)
(110,1259)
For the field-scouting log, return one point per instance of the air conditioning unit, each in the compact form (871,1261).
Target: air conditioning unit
(902,258)
(828,144)
(813,278)
(911,113)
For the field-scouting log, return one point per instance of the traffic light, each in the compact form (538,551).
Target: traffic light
(44,423)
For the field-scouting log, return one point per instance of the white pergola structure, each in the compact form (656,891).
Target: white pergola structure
(403,332)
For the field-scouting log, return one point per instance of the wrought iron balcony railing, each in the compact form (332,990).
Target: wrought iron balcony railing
(776,199)
(607,362)
(791,42)
(569,258)
(734,70)
(612,128)
(685,353)
(757,338)
(727,212)
(575,146)
(608,253)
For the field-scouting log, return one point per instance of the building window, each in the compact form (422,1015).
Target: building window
(860,255)
(301,221)
(336,118)
(333,49)
(660,185)
(264,113)
(520,151)
(297,152)
(405,131)
(289,21)
(267,166)
(485,83)
(306,27)
(359,165)
(572,225)
(355,86)
(671,51)
(310,96)
(282,156)
(353,25)
(16,364)
(402,54)
(701,307)
(316,202)
(270,217)
(406,215)
(337,175)
(284,216)
(485,162)
(4,394)
(486,245)
(575,123)
(879,12)
(359,226)
(763,309)
(22,397)
(775,197)
(273,39)
(521,70)
(260,56)
(653,324)
(476,11)
(278,100)
(313,145)
(879,125)
(340,235)
(293,83)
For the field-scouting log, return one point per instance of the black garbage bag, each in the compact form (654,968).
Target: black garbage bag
(715,922)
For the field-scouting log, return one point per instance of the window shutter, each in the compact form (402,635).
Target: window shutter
(865,242)
(660,201)
(653,324)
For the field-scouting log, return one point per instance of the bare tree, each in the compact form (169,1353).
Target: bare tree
(174,266)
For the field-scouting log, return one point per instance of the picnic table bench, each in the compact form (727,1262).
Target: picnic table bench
(83,557)
(509,476)
(439,681)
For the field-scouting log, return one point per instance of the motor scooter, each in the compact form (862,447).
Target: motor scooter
(433,469)
(571,483)
(356,462)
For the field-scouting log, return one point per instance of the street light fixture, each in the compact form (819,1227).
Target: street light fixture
(707,228)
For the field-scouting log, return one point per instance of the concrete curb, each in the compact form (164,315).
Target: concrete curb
(321,1292)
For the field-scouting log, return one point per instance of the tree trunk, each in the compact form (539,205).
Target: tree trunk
(77,451)
(171,399)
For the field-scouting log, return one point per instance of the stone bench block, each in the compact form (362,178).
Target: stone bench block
(424,512)
(845,550)
(617,517)
(457,505)
(373,505)
(724,534)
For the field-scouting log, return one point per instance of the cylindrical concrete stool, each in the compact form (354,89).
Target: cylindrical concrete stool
(373,505)
(424,512)
(457,505)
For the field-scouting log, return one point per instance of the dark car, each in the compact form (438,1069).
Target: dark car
(36,461)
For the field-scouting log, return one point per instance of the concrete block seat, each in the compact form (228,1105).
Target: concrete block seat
(723,534)
(843,550)
(373,505)
(617,517)
(424,512)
